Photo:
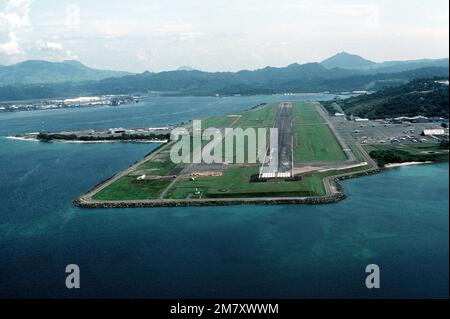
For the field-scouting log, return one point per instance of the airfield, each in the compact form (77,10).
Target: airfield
(315,150)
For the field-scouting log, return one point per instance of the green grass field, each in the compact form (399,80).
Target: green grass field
(160,165)
(128,188)
(259,117)
(262,116)
(235,182)
(313,139)
(219,121)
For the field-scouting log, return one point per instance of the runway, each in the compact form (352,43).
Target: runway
(283,122)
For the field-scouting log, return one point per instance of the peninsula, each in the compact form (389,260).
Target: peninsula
(315,148)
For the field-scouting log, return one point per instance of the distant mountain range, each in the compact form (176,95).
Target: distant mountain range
(34,71)
(343,72)
(346,60)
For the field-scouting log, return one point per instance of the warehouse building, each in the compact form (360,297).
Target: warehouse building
(433,132)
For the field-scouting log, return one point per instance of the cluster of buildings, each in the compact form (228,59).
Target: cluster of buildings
(83,101)
(416,119)
(399,120)
(149,130)
(433,132)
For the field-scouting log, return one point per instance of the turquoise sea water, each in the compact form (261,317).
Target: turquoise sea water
(398,220)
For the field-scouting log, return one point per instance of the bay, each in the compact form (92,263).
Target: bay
(397,220)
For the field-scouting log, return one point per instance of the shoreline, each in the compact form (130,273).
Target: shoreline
(394,165)
(16,138)
(31,139)
(82,202)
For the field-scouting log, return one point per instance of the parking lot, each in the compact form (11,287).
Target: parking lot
(380,132)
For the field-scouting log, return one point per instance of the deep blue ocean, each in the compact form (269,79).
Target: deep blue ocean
(397,220)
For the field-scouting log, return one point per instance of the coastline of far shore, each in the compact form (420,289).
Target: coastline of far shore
(33,139)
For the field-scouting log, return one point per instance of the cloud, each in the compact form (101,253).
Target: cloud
(73,16)
(50,45)
(13,20)
(369,12)
(20,3)
(14,17)
(70,55)
(15,14)
(11,47)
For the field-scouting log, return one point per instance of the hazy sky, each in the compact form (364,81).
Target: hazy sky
(218,35)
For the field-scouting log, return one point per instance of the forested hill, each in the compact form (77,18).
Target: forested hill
(341,72)
(38,72)
(310,78)
(426,97)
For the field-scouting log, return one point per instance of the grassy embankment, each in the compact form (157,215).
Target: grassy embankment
(313,139)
